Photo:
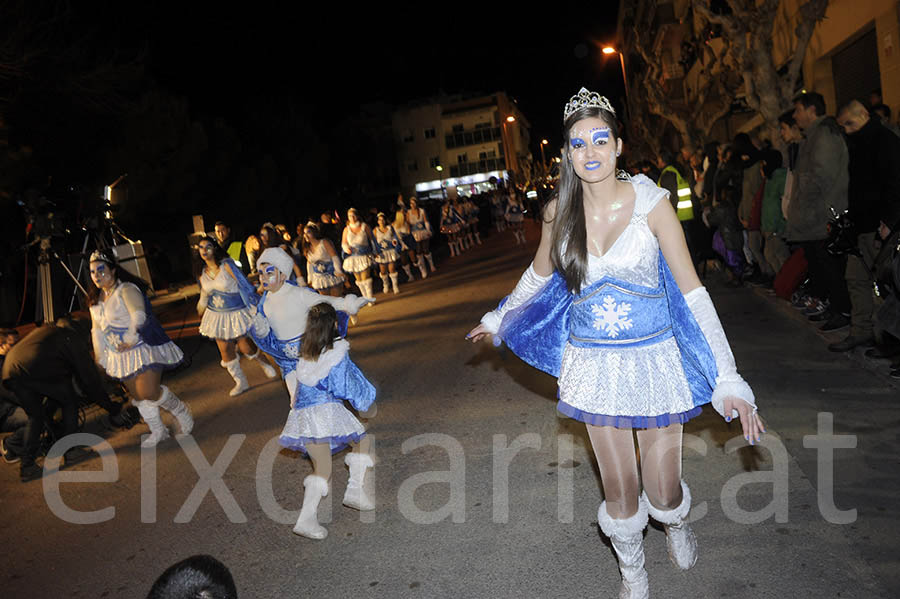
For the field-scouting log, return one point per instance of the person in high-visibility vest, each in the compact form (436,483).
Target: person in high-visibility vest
(679,187)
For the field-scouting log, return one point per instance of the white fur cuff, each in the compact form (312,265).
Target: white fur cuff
(737,388)
(491,322)
(260,325)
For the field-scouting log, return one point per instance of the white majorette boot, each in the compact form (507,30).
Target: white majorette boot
(355,495)
(478,237)
(430,261)
(240,380)
(267,369)
(421,264)
(177,408)
(307,524)
(679,537)
(452,245)
(408,271)
(150,413)
(395,281)
(386,283)
(368,288)
(627,537)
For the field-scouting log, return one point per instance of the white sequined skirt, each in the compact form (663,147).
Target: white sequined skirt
(387,256)
(323,281)
(357,263)
(125,364)
(627,381)
(330,423)
(225,325)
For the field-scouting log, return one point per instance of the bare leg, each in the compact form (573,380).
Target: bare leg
(227,349)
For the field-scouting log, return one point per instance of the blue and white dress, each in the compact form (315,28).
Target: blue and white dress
(111,323)
(319,414)
(388,245)
(418,222)
(320,269)
(358,252)
(515,211)
(451,221)
(229,299)
(627,350)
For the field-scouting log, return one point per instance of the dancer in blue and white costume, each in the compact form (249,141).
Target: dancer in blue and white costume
(498,210)
(470,212)
(319,424)
(323,265)
(130,345)
(450,224)
(408,255)
(356,243)
(612,306)
(279,326)
(389,246)
(515,216)
(226,306)
(421,230)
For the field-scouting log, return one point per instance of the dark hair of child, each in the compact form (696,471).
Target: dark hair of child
(321,329)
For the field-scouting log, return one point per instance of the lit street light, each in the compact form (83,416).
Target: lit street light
(544,142)
(607,50)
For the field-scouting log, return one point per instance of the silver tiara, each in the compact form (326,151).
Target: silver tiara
(585,99)
(98,256)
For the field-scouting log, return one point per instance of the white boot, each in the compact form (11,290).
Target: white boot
(679,537)
(408,271)
(355,495)
(421,264)
(177,408)
(367,288)
(430,261)
(395,281)
(267,368)
(150,413)
(627,537)
(240,381)
(307,524)
(452,245)
(478,237)
(386,283)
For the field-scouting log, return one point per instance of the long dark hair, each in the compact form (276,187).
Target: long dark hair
(314,232)
(122,275)
(569,227)
(321,328)
(219,254)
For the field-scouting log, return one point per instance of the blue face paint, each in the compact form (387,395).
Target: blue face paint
(599,136)
(576,143)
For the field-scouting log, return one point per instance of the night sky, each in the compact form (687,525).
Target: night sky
(334,59)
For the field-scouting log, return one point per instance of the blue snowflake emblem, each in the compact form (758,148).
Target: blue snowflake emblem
(612,318)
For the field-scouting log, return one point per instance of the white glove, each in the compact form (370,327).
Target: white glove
(728,382)
(529,284)
(351,304)
(260,325)
(336,262)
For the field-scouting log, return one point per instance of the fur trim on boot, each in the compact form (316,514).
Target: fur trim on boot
(315,488)
(395,281)
(627,537)
(680,538)
(267,368)
(240,381)
(177,408)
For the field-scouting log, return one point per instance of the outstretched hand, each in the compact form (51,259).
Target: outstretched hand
(751,423)
(478,333)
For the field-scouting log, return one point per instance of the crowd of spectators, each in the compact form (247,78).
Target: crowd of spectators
(813,216)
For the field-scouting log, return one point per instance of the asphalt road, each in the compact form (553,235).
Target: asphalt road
(483,490)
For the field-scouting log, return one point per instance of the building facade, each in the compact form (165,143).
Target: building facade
(463,143)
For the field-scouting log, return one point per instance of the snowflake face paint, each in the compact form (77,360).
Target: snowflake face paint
(590,149)
(102,274)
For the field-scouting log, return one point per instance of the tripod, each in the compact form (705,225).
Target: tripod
(45,283)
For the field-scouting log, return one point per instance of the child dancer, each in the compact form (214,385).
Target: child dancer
(319,424)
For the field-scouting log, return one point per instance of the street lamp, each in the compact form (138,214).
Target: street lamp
(544,142)
(440,169)
(507,141)
(607,50)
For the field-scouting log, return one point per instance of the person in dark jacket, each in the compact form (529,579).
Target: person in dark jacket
(873,198)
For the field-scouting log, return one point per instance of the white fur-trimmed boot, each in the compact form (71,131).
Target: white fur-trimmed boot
(452,245)
(368,288)
(408,270)
(240,380)
(150,413)
(421,264)
(355,495)
(267,368)
(177,408)
(478,237)
(395,281)
(627,537)
(679,537)
(315,488)
(430,261)
(386,283)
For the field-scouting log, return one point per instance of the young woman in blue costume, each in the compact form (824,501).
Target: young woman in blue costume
(130,345)
(319,424)
(612,306)
(226,305)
